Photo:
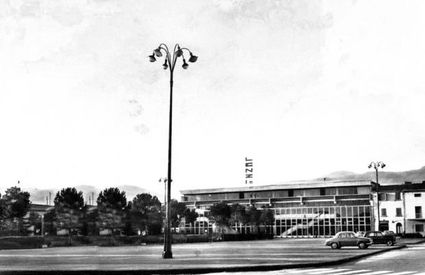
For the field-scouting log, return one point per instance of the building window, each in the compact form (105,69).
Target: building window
(330,191)
(383,212)
(397,196)
(382,196)
(419,227)
(417,195)
(347,191)
(398,212)
(390,197)
(290,193)
(241,195)
(418,212)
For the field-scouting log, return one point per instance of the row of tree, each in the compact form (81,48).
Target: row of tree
(71,215)
(224,215)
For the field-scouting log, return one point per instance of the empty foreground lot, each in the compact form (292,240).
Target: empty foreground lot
(267,254)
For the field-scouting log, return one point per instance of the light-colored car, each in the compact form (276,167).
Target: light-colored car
(348,238)
(360,234)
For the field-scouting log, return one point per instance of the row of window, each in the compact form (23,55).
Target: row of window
(314,192)
(418,212)
(321,221)
(394,196)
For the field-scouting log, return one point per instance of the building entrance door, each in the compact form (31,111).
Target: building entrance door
(399,228)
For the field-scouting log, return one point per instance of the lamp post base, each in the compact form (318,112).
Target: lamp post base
(167,254)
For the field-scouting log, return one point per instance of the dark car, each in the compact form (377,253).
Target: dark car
(379,238)
(348,238)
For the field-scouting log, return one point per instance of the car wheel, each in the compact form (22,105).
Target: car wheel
(362,245)
(390,243)
(334,245)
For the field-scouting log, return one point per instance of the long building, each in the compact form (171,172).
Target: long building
(321,208)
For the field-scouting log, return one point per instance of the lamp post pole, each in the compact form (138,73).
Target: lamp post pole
(169,63)
(376,165)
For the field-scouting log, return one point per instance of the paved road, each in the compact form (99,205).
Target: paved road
(236,255)
(410,261)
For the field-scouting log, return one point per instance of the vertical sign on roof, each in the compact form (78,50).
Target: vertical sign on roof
(249,171)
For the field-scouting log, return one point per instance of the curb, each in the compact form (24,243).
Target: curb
(265,267)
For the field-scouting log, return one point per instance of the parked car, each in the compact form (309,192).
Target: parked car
(360,233)
(348,238)
(379,238)
(387,232)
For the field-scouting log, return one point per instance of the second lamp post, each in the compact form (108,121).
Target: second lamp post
(376,165)
(169,63)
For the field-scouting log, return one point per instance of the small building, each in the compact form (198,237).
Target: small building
(401,208)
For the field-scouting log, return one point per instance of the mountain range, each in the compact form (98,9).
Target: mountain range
(415,176)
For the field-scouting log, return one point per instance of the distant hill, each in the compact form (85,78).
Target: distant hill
(41,196)
(384,176)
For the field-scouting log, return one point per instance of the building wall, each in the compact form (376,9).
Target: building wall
(391,205)
(415,223)
(310,210)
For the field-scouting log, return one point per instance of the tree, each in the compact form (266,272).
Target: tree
(220,214)
(267,216)
(33,223)
(112,206)
(253,215)
(15,204)
(69,205)
(70,198)
(238,214)
(89,220)
(2,208)
(178,210)
(50,221)
(145,213)
(190,216)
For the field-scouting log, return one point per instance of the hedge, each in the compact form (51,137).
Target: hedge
(21,242)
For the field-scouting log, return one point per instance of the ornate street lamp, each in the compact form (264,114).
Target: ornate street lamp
(169,63)
(376,166)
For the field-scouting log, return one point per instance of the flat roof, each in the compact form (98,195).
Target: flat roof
(285,186)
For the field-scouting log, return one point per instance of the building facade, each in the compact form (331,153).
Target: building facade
(401,208)
(302,209)
(323,208)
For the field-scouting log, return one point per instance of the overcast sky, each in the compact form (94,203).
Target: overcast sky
(304,88)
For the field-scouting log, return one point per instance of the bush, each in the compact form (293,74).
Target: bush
(20,242)
(245,237)
(197,238)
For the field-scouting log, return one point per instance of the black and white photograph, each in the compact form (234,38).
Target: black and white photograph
(222,137)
